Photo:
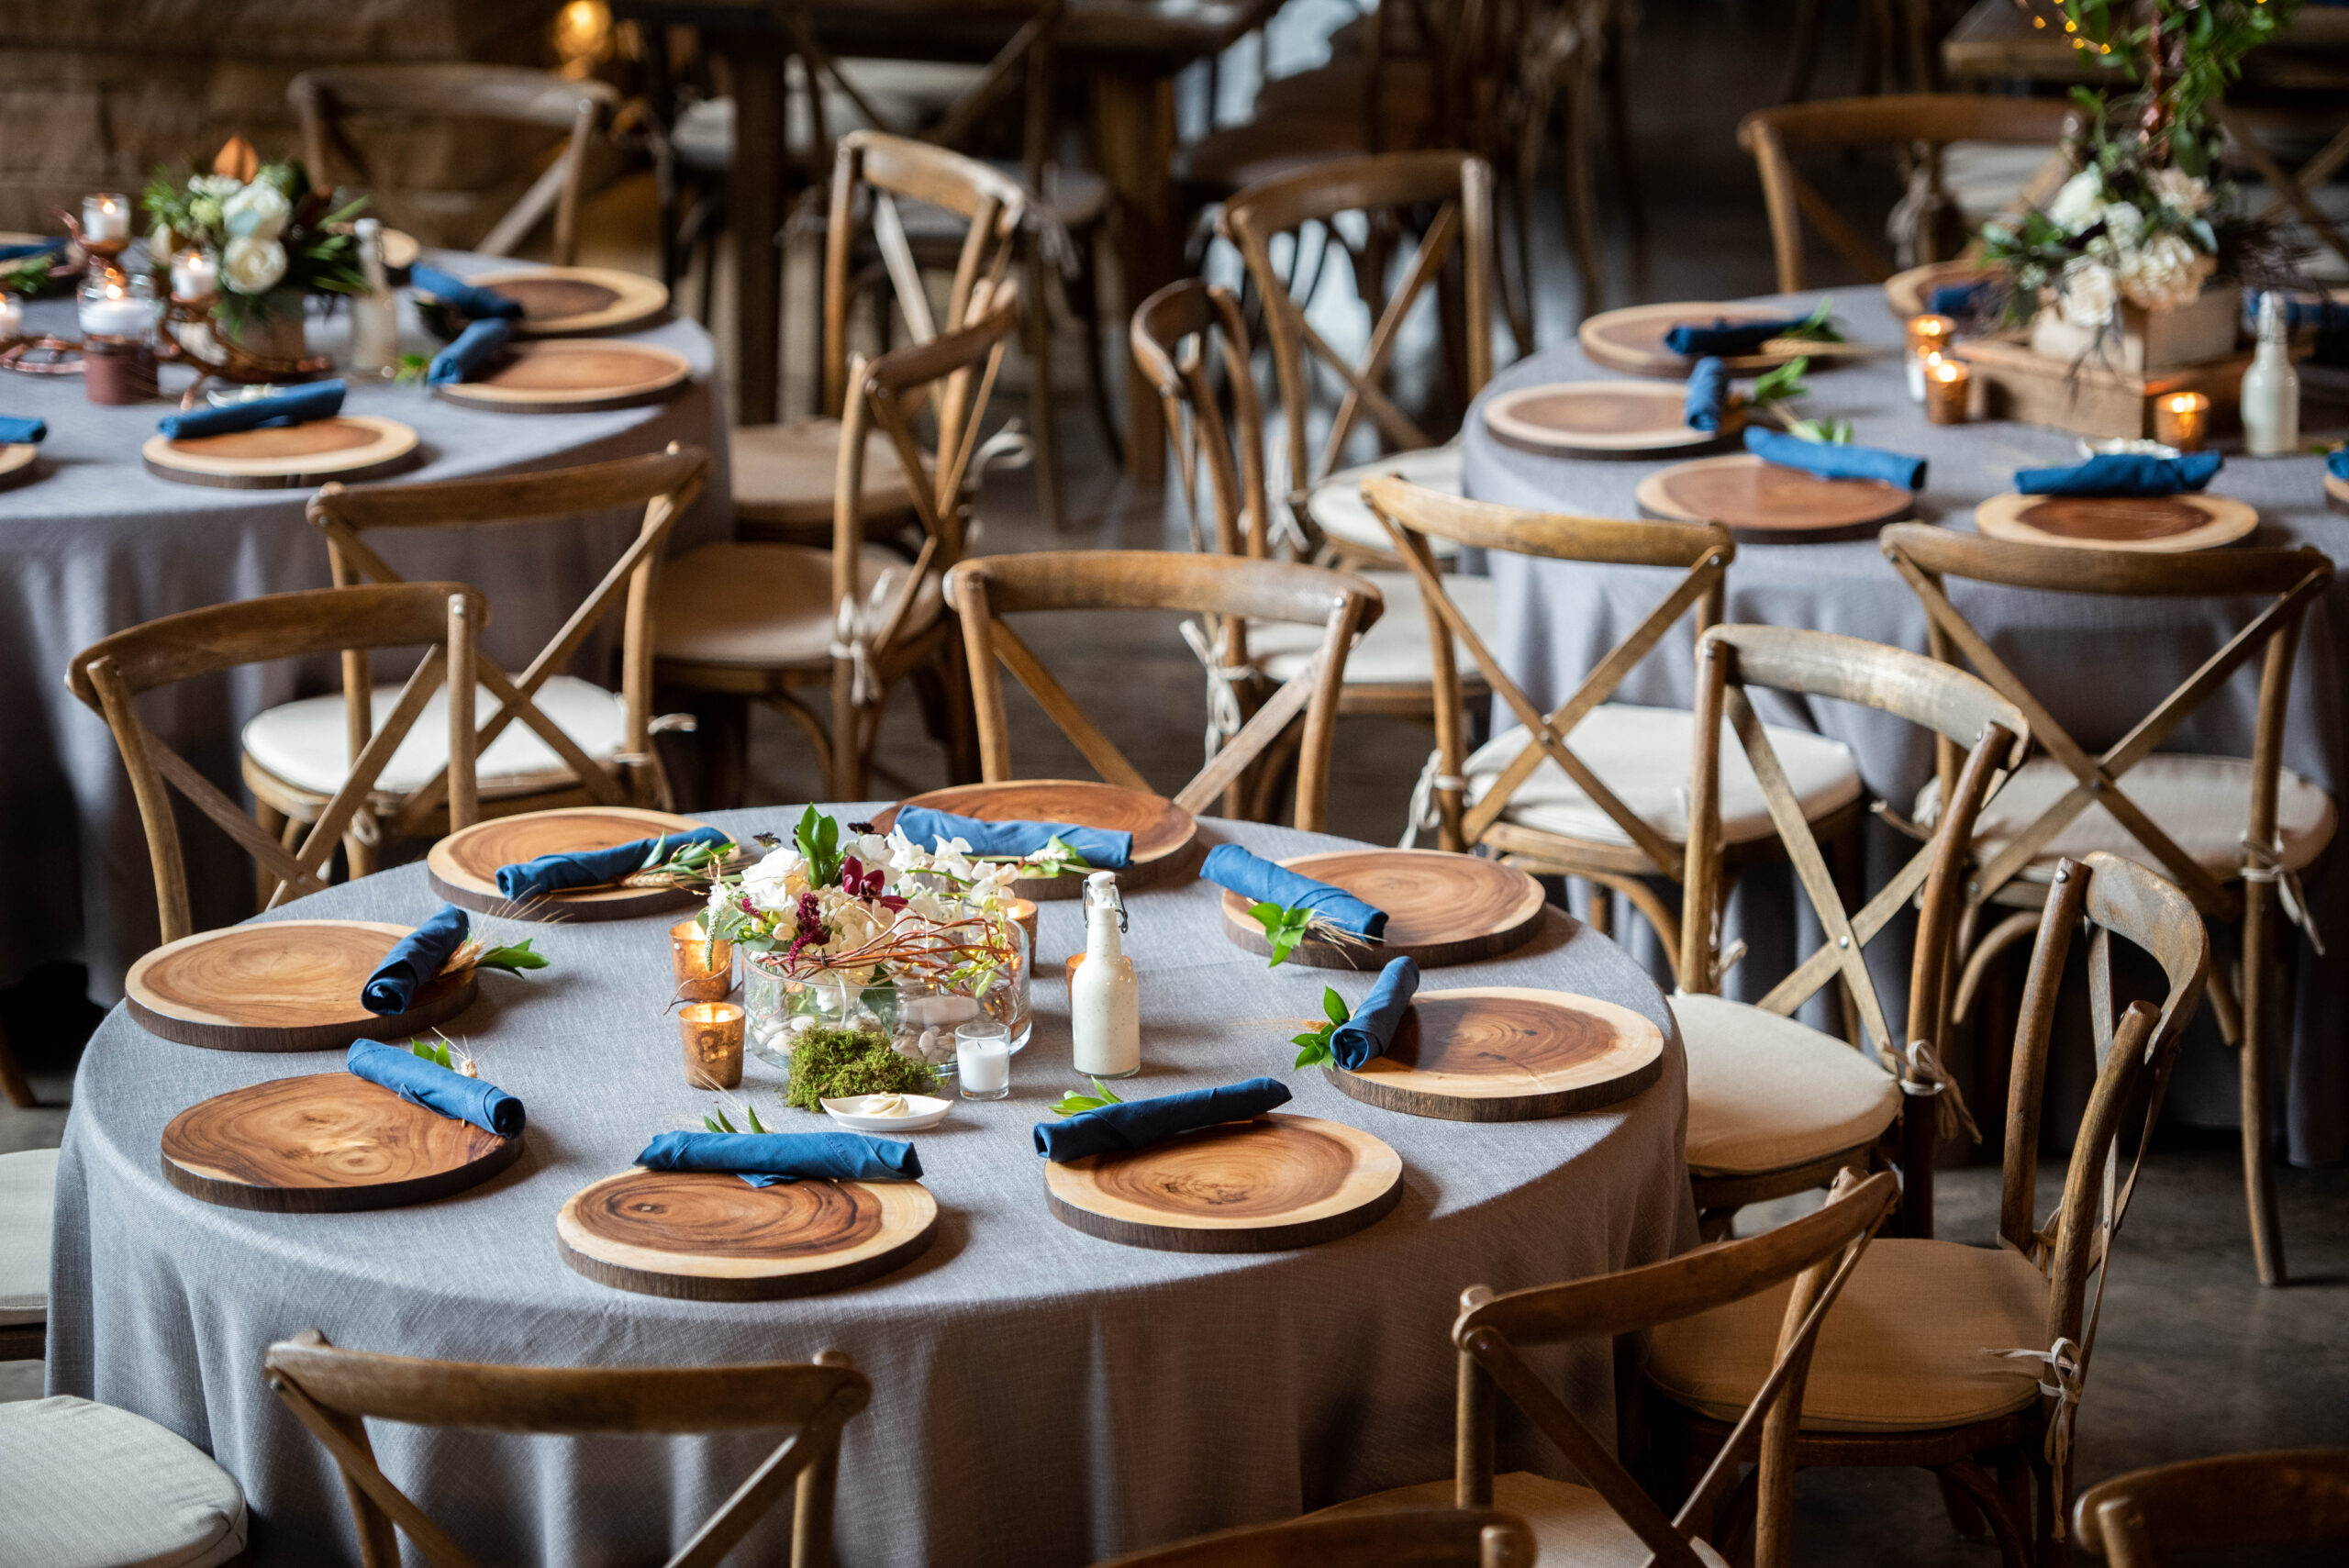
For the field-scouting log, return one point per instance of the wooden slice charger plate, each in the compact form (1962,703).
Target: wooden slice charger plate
(280,985)
(1763,503)
(2157,524)
(1596,419)
(704,1235)
(462,867)
(570,301)
(1262,1185)
(285,457)
(326,1143)
(565,375)
(1440,908)
(1631,340)
(1163,830)
(16,464)
(1500,1053)
(1911,293)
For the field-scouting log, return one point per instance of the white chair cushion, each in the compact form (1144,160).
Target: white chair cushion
(1393,652)
(1904,1348)
(1643,754)
(2204,803)
(91,1486)
(27,1199)
(768,606)
(789,473)
(303,742)
(1766,1092)
(1572,1525)
(1338,509)
(1986,178)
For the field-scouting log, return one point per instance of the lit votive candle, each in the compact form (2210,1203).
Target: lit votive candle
(194,276)
(2182,420)
(116,306)
(1023,915)
(1948,386)
(983,1059)
(705,968)
(711,1033)
(12,317)
(1929,338)
(106,222)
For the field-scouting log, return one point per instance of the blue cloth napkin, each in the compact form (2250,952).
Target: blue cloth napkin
(1959,299)
(1727,337)
(764,1159)
(433,1087)
(1105,848)
(1253,877)
(1836,463)
(473,349)
(481,304)
(1369,1031)
(300,406)
(2122,473)
(415,959)
(23,432)
(2336,463)
(1708,393)
(593,868)
(39,248)
(1138,1124)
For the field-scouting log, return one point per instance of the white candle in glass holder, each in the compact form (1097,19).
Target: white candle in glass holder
(106,217)
(194,276)
(983,1059)
(113,311)
(12,317)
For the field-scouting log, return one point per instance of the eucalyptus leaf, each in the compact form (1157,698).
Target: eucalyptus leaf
(514,958)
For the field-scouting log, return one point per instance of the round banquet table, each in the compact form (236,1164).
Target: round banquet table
(94,543)
(2097,664)
(1040,1396)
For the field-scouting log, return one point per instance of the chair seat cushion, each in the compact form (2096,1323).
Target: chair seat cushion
(1767,1094)
(303,742)
(1909,1347)
(768,605)
(92,1487)
(1572,1525)
(28,1198)
(785,473)
(2204,803)
(1339,511)
(1643,754)
(1393,652)
(1986,178)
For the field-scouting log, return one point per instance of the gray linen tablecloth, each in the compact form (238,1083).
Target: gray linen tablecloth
(95,543)
(2097,664)
(1040,1398)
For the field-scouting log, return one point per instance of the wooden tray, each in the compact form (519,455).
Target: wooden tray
(1498,1054)
(2157,524)
(2092,400)
(462,867)
(560,302)
(280,985)
(16,464)
(1440,908)
(1763,503)
(1596,419)
(707,1236)
(1262,1185)
(1163,830)
(326,1143)
(285,457)
(564,376)
(1911,293)
(1631,340)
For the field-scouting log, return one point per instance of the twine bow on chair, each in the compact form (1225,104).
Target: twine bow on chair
(1421,816)
(2066,1366)
(852,630)
(1921,1073)
(2264,864)
(1225,714)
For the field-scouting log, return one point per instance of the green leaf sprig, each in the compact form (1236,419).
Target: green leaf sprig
(1283,927)
(715,1120)
(1075,1103)
(1819,328)
(412,369)
(444,1053)
(513,958)
(817,838)
(1314,1047)
(1774,392)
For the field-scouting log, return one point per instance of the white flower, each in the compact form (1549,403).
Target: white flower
(2123,224)
(779,873)
(2176,188)
(2076,205)
(2086,293)
(253,266)
(2165,273)
(257,212)
(216,184)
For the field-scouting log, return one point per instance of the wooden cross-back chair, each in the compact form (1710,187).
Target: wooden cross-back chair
(1611,1518)
(444,618)
(508,94)
(2191,1511)
(767,622)
(1320,502)
(1919,127)
(1421,1538)
(585,743)
(332,1391)
(2233,833)
(2291,190)
(1963,1360)
(983,590)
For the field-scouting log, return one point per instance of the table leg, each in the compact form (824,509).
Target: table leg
(757,198)
(1134,128)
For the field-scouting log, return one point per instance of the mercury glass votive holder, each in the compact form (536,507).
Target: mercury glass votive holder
(1929,338)
(2182,420)
(705,968)
(711,1033)
(1949,390)
(1023,915)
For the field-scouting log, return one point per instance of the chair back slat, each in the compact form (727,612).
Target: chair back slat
(1404,1538)
(2175,1514)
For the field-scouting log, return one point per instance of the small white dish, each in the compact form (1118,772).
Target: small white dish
(922,1113)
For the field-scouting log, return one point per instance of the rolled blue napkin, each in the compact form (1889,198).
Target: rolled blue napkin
(1727,337)
(2336,463)
(23,432)
(1836,463)
(1105,848)
(764,1159)
(299,406)
(593,868)
(433,1087)
(474,348)
(1708,393)
(2122,473)
(1371,1028)
(1138,1124)
(1959,299)
(39,248)
(1253,877)
(415,959)
(467,299)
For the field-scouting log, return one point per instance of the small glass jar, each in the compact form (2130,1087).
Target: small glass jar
(711,1034)
(783,1005)
(118,307)
(704,968)
(983,1059)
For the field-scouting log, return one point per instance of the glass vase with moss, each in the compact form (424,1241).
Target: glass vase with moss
(782,1006)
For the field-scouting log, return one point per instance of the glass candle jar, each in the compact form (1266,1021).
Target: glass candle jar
(983,1059)
(196,277)
(1949,388)
(117,306)
(711,1034)
(106,223)
(1928,340)
(704,968)
(2182,420)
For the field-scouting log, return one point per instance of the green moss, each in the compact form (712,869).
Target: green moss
(830,1064)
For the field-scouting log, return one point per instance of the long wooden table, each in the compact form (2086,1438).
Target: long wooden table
(2024,40)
